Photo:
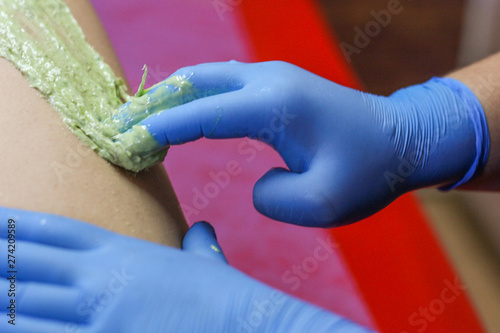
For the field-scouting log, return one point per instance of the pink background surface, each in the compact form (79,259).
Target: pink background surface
(167,35)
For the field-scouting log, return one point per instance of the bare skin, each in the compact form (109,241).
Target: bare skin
(483,78)
(46,168)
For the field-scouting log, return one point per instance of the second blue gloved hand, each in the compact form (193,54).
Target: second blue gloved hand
(349,154)
(74,277)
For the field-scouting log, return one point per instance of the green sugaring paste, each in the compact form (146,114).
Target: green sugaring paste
(44,41)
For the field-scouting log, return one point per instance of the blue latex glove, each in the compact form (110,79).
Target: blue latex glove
(75,277)
(349,154)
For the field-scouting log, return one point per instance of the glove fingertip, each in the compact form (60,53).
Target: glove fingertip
(202,240)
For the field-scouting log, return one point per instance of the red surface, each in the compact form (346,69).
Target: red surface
(394,257)
(401,270)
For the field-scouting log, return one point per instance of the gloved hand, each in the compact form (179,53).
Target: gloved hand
(75,277)
(349,154)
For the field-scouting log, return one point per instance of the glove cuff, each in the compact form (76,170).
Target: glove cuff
(478,119)
(439,129)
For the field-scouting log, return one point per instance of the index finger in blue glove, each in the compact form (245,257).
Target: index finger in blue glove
(228,115)
(231,101)
(50,229)
(184,86)
(202,241)
(213,78)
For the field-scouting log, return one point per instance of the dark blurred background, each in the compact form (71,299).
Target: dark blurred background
(431,38)
(420,42)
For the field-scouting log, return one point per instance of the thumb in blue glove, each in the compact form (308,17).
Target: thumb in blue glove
(202,241)
(348,153)
(75,277)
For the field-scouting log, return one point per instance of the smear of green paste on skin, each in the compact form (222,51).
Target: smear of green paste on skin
(44,41)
